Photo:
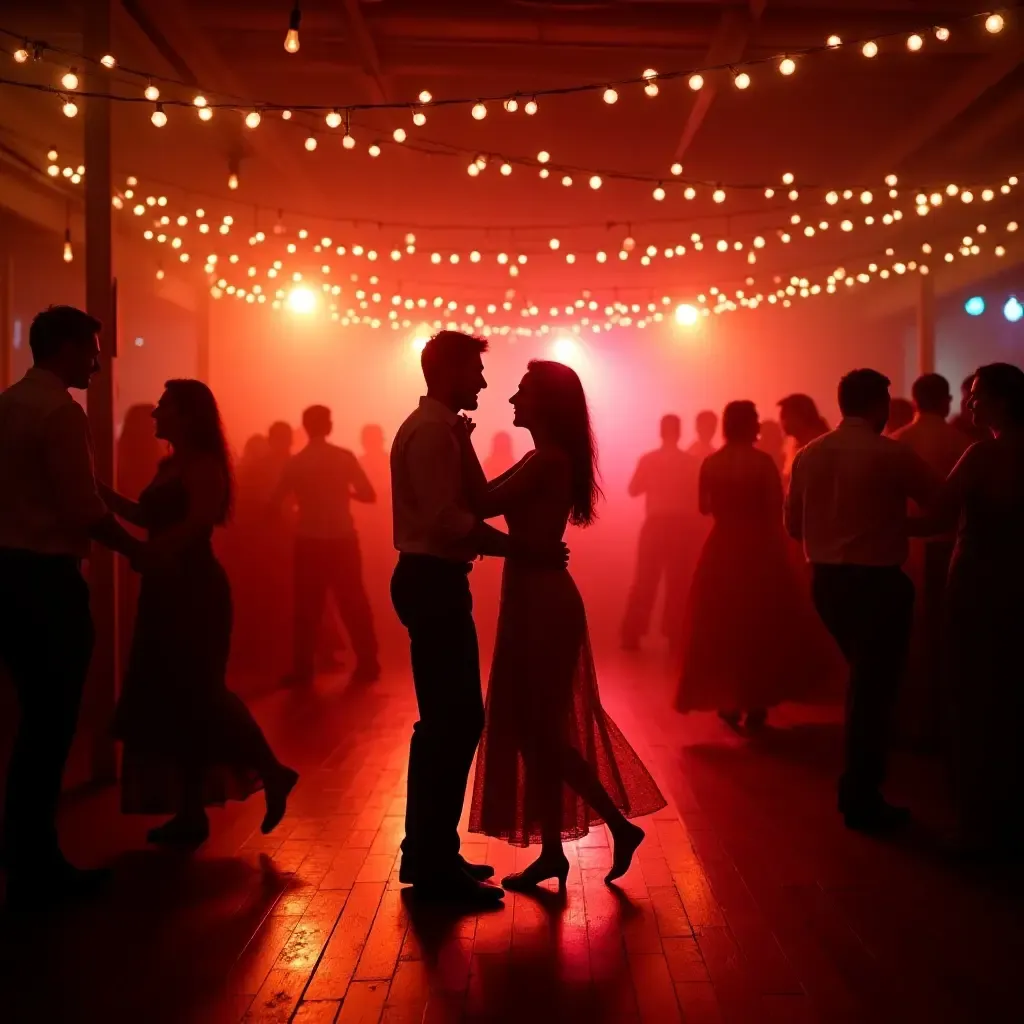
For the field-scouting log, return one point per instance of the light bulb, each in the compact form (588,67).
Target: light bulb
(742,80)
(152,93)
(543,156)
(833,41)
(787,178)
(787,66)
(232,180)
(68,252)
(512,104)
(109,61)
(349,141)
(651,88)
(942,34)
(506,169)
(659,193)
(425,96)
(158,117)
(595,181)
(419,119)
(473,170)
(286,115)
(866,197)
(696,82)
(70,80)
(629,243)
(566,180)
(205,113)
(252,119)
(69,108)
(479,111)
(554,243)
(374,150)
(20,55)
(311,143)
(398,135)
(530,107)
(891,179)
(718,195)
(610,95)
(870,49)
(914,43)
(291,39)
(994,23)
(53,170)
(333,119)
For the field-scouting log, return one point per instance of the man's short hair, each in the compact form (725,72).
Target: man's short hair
(448,349)
(671,424)
(931,393)
(57,325)
(862,392)
(316,420)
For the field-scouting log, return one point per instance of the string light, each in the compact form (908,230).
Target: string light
(659,193)
(291,39)
(333,119)
(696,82)
(349,141)
(69,254)
(870,49)
(610,95)
(530,107)
(252,119)
(152,93)
(21,55)
(311,143)
(651,86)
(742,80)
(914,43)
(419,118)
(70,80)
(399,135)
(479,111)
(994,23)
(942,34)
(425,96)
(595,181)
(158,117)
(787,66)
(511,104)
(70,108)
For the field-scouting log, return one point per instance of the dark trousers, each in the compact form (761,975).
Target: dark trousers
(46,641)
(333,567)
(665,551)
(432,598)
(868,611)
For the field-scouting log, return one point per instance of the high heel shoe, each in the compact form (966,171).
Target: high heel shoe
(539,871)
(275,791)
(626,843)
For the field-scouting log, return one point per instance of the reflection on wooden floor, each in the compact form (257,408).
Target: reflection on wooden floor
(748,901)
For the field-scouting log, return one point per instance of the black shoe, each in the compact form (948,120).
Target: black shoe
(874,816)
(539,871)
(61,887)
(408,875)
(458,887)
(366,674)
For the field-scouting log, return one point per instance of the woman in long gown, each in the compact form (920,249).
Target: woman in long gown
(189,742)
(984,598)
(551,762)
(751,639)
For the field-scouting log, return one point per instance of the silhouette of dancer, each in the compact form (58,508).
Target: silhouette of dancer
(501,458)
(189,742)
(667,478)
(706,426)
(985,495)
(551,763)
(964,420)
(847,504)
(324,479)
(746,586)
(773,442)
(802,423)
(437,536)
(49,513)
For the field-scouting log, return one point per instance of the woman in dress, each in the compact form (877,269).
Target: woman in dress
(189,742)
(551,762)
(750,638)
(984,597)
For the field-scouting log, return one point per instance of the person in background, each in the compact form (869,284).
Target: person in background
(847,505)
(51,510)
(501,458)
(801,423)
(667,479)
(280,438)
(901,414)
(324,479)
(706,427)
(940,445)
(189,741)
(772,442)
(963,420)
(374,459)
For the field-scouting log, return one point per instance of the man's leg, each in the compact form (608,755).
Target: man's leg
(353,606)
(310,598)
(650,565)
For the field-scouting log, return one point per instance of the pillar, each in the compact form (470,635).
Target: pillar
(101,302)
(925,324)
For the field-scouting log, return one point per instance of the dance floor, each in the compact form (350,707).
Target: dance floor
(749,902)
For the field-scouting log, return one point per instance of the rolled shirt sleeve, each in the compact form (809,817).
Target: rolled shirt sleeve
(68,454)
(435,475)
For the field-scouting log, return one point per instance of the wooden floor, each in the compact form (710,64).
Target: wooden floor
(749,902)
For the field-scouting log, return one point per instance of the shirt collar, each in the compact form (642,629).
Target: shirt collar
(46,378)
(438,410)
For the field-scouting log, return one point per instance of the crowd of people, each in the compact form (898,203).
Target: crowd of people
(887,541)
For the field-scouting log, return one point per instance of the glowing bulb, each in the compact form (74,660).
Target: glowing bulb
(333,119)
(554,243)
(914,43)
(566,180)
(349,141)
(374,150)
(787,178)
(530,107)
(20,55)
(595,181)
(718,195)
(310,143)
(506,169)
(870,49)
(69,108)
(610,95)
(301,300)
(967,197)
(1013,310)
(479,111)
(419,119)
(512,104)
(687,315)
(152,93)
(696,82)
(659,193)
(70,80)
(252,119)
(205,113)
(787,66)
(286,115)
(69,254)
(53,170)
(158,117)
(564,350)
(543,156)
(866,197)
(942,34)
(994,23)
(833,41)
(291,38)
(473,170)
(398,135)
(232,180)
(742,80)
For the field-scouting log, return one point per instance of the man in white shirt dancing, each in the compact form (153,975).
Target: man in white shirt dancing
(437,535)
(847,504)
(50,509)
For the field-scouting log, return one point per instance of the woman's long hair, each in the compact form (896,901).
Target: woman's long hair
(564,408)
(203,430)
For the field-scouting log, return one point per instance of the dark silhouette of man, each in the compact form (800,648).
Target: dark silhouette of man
(49,512)
(706,427)
(324,479)
(901,414)
(667,478)
(847,505)
(964,421)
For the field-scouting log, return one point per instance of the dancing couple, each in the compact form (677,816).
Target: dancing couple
(551,762)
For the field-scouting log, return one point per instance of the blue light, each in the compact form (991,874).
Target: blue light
(1013,310)
(975,306)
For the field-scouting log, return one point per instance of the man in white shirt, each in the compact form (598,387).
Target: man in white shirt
(324,479)
(847,504)
(438,536)
(667,478)
(50,509)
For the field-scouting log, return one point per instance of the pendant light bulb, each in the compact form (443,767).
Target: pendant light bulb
(291,39)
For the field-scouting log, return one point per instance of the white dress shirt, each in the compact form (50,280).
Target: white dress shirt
(428,490)
(323,479)
(48,497)
(848,496)
(667,477)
